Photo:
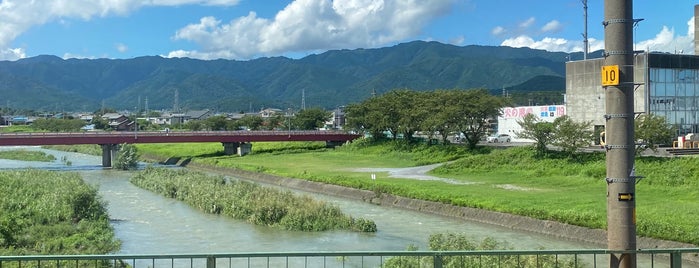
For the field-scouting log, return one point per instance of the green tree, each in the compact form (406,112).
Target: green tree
(58,125)
(570,136)
(216,123)
(541,132)
(100,123)
(366,117)
(312,118)
(476,106)
(194,125)
(127,157)
(275,122)
(653,130)
(252,122)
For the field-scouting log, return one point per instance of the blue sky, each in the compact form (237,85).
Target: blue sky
(247,29)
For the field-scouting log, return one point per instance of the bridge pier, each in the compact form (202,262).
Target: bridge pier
(240,148)
(230,148)
(108,153)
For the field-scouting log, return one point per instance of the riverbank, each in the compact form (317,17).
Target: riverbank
(552,228)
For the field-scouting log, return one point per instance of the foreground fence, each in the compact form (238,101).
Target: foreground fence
(672,258)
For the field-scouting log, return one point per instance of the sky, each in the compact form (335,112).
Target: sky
(249,29)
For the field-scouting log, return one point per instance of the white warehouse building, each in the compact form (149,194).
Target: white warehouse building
(508,121)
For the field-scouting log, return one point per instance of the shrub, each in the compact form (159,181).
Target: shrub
(248,201)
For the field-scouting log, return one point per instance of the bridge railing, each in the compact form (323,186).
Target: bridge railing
(163,133)
(673,258)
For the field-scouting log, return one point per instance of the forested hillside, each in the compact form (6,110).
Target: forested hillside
(326,80)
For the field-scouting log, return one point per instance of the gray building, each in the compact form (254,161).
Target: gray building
(665,84)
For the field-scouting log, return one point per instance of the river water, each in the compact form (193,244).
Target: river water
(147,223)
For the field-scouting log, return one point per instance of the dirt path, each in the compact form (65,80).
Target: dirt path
(413,173)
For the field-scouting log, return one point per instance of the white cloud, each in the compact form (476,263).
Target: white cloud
(552,26)
(18,16)
(12,54)
(665,41)
(499,30)
(121,47)
(527,23)
(457,41)
(308,25)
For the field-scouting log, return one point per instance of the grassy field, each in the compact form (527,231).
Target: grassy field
(25,155)
(506,180)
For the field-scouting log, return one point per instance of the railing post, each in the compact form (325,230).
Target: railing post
(675,260)
(210,262)
(437,261)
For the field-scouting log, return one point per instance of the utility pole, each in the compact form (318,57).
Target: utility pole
(617,78)
(585,42)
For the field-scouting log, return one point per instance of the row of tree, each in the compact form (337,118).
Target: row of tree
(307,119)
(650,131)
(436,113)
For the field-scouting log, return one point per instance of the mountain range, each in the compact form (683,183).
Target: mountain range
(327,80)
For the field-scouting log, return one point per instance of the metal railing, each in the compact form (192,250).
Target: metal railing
(672,258)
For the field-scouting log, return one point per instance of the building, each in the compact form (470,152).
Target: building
(664,84)
(508,121)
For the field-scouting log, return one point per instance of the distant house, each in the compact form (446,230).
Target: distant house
(85,117)
(269,112)
(337,120)
(118,122)
(20,120)
(197,115)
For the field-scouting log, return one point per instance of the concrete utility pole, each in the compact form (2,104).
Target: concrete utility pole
(617,77)
(586,45)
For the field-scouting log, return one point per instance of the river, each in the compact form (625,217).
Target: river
(147,223)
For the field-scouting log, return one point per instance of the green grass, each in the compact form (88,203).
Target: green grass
(91,149)
(248,201)
(45,212)
(25,155)
(509,180)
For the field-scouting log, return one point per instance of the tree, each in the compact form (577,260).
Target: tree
(58,125)
(251,122)
(100,123)
(127,157)
(194,125)
(652,130)
(276,121)
(216,123)
(367,116)
(570,136)
(476,106)
(312,118)
(541,132)
(411,109)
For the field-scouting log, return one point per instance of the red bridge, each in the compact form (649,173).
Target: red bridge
(233,141)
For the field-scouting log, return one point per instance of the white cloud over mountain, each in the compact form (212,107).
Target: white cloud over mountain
(304,26)
(308,25)
(17,16)
(666,41)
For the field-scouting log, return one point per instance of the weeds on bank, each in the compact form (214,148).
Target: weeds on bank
(45,212)
(24,155)
(248,201)
(461,242)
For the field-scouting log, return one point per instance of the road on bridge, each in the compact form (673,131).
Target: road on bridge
(119,137)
